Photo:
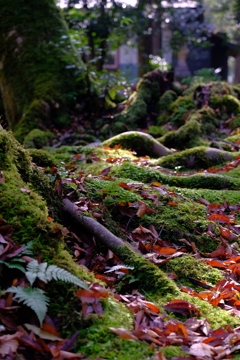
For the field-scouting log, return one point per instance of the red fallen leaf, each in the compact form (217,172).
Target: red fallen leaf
(182,307)
(112,160)
(151,306)
(227,234)
(125,186)
(172,203)
(220,218)
(54,169)
(214,208)
(105,171)
(142,247)
(123,333)
(142,208)
(109,280)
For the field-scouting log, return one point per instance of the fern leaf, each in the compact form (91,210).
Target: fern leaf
(33,298)
(64,275)
(13,265)
(44,273)
(32,271)
(118,267)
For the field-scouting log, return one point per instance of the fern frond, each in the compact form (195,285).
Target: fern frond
(13,265)
(118,267)
(33,298)
(47,273)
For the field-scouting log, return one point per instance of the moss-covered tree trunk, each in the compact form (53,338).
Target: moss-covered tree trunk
(41,74)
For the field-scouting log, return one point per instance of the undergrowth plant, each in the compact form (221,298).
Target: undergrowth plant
(34,297)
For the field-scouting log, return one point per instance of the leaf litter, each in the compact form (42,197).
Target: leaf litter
(152,325)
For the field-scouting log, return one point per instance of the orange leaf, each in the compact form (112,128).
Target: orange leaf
(172,203)
(216,263)
(220,218)
(152,306)
(227,234)
(118,146)
(49,328)
(156,183)
(125,186)
(164,250)
(181,330)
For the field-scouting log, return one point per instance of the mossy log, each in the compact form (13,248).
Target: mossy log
(142,143)
(39,66)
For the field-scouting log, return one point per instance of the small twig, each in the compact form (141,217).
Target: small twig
(228,142)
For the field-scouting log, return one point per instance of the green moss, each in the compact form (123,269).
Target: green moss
(187,266)
(150,278)
(42,158)
(97,339)
(235,123)
(208,120)
(196,158)
(186,136)
(213,196)
(180,109)
(231,104)
(37,138)
(201,180)
(166,100)
(133,140)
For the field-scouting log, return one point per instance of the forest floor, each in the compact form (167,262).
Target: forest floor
(115,252)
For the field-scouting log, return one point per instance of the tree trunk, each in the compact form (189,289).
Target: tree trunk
(38,66)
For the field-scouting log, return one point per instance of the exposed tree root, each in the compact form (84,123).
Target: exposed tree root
(142,143)
(150,277)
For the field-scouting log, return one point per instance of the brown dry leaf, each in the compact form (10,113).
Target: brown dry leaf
(42,333)
(123,333)
(142,208)
(9,343)
(201,349)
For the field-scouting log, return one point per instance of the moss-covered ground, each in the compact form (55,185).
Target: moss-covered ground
(149,203)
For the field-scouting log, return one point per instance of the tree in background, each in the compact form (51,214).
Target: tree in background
(42,76)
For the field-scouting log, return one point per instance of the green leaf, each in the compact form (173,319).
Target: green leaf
(33,298)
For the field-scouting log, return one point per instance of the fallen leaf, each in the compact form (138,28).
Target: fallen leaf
(123,333)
